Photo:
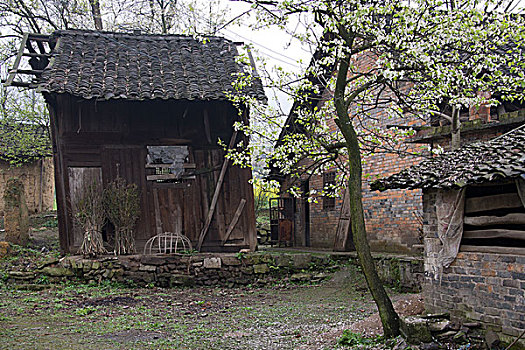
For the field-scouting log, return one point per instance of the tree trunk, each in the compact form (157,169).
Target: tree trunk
(95,11)
(389,317)
(455,143)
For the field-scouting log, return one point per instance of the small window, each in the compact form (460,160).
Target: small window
(329,189)
(170,164)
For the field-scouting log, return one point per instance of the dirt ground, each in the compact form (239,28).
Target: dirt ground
(109,316)
(115,317)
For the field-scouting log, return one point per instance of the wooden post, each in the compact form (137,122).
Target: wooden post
(235,219)
(216,194)
(158,221)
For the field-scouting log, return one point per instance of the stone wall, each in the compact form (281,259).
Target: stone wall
(486,287)
(217,269)
(39,183)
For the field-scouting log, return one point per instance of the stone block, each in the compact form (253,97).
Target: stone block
(261,268)
(95,265)
(212,263)
(257,258)
(301,261)
(57,271)
(231,261)
(283,260)
(153,260)
(247,270)
(148,268)
(415,330)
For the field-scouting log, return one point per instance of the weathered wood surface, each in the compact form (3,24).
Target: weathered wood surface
(103,134)
(494,233)
(509,219)
(343,240)
(169,177)
(185,165)
(78,179)
(487,203)
(235,219)
(216,194)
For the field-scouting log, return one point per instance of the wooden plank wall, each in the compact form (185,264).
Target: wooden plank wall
(494,216)
(111,138)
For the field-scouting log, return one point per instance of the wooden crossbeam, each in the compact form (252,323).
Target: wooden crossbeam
(494,233)
(235,219)
(16,64)
(216,194)
(29,71)
(36,54)
(487,203)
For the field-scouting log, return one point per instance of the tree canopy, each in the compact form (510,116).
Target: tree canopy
(410,60)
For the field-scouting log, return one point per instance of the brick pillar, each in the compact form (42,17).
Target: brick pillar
(483,111)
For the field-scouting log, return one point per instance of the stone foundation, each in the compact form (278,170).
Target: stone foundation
(228,270)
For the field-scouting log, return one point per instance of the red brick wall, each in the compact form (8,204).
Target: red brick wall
(486,287)
(393,218)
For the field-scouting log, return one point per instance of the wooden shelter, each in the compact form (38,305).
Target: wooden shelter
(474,231)
(150,109)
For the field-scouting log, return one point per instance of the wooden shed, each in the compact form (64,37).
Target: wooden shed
(474,231)
(150,109)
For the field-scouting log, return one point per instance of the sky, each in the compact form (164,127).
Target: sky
(272,44)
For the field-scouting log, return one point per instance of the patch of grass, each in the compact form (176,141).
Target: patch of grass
(352,339)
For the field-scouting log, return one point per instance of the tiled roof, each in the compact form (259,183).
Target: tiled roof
(499,159)
(105,65)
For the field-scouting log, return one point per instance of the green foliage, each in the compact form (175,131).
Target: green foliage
(24,134)
(352,339)
(51,223)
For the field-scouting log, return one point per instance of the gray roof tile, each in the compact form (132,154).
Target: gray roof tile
(502,158)
(106,65)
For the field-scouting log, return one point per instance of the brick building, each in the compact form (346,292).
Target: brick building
(474,244)
(394,219)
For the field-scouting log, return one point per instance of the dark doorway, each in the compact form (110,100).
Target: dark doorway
(305,188)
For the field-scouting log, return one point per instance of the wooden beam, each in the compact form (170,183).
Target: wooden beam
(19,84)
(36,54)
(492,249)
(509,219)
(12,72)
(30,71)
(169,177)
(173,142)
(216,194)
(38,37)
(494,233)
(235,219)
(486,203)
(185,165)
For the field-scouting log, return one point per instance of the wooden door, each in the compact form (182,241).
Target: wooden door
(129,163)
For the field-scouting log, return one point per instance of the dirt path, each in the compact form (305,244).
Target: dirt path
(109,317)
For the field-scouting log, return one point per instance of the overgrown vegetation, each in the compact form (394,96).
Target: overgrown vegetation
(353,340)
(121,202)
(91,217)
